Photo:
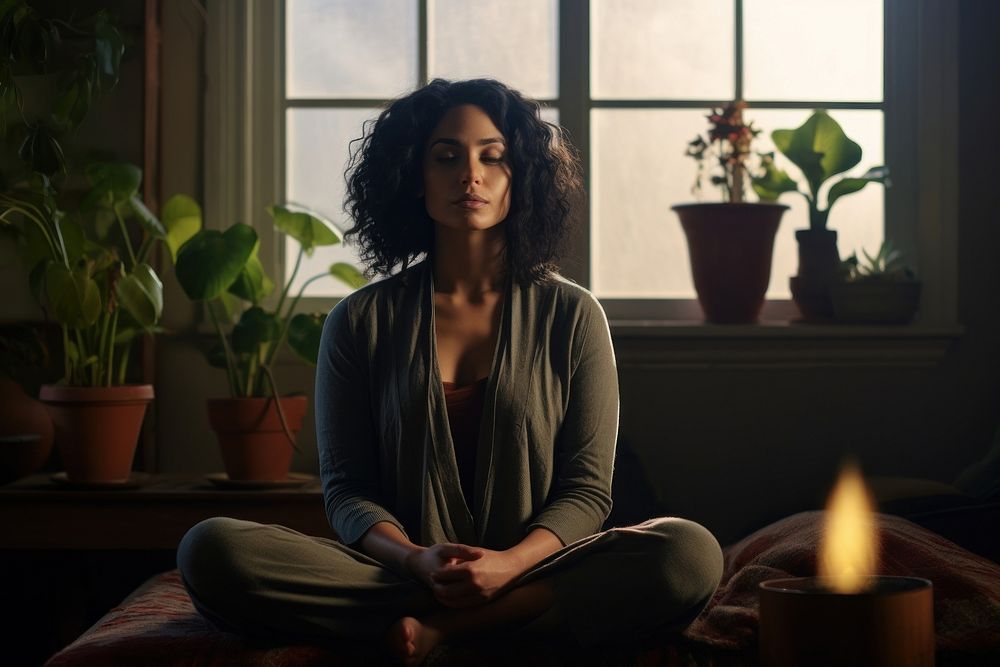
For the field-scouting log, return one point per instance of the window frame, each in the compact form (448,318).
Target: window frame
(245,140)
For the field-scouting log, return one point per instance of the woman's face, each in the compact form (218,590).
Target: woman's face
(467,175)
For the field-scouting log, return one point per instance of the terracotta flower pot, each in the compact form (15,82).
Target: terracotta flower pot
(730,246)
(97,428)
(253,443)
(26,433)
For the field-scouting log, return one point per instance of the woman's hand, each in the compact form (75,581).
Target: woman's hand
(473,575)
(425,561)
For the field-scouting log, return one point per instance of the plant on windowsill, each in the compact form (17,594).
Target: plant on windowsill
(821,150)
(879,290)
(220,269)
(730,244)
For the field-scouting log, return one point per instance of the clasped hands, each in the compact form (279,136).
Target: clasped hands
(463,576)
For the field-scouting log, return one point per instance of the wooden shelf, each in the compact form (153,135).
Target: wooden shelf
(37,513)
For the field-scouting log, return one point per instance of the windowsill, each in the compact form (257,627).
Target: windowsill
(778,343)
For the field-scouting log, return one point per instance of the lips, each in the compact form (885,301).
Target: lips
(471,201)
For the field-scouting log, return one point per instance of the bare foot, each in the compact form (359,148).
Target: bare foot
(410,641)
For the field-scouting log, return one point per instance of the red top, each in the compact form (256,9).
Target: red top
(465,409)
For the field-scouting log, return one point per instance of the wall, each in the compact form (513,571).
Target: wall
(733,446)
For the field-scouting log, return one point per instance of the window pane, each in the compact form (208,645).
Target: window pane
(638,171)
(346,48)
(514,41)
(682,49)
(813,50)
(317,153)
(858,218)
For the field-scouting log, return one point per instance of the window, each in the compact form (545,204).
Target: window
(888,76)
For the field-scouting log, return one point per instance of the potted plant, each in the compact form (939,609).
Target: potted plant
(256,427)
(100,287)
(821,150)
(881,290)
(730,244)
(86,252)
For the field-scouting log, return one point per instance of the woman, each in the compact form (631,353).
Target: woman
(467,412)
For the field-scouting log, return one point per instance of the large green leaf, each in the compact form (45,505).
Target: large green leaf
(112,184)
(181,217)
(774,182)
(304,333)
(348,275)
(209,263)
(146,217)
(846,186)
(819,148)
(308,228)
(73,296)
(252,284)
(256,327)
(141,294)
(41,151)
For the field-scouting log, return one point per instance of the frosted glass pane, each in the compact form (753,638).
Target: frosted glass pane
(514,41)
(682,49)
(317,153)
(813,50)
(858,219)
(638,171)
(348,48)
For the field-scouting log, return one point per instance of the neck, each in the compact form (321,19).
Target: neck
(469,263)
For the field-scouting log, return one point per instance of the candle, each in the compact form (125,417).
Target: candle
(847,616)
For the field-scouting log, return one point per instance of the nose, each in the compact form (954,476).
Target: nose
(472,172)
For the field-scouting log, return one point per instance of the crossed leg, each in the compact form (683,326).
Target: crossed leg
(270,581)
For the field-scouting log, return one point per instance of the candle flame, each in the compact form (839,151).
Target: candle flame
(847,547)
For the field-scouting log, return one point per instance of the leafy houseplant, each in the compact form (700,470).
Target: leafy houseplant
(879,290)
(821,150)
(100,288)
(88,266)
(730,244)
(221,269)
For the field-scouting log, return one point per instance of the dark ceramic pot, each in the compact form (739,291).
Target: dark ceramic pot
(818,264)
(730,246)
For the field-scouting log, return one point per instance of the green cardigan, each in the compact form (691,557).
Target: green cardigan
(547,437)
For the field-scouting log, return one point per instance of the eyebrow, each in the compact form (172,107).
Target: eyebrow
(482,142)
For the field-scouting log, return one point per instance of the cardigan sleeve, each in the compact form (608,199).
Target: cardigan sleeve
(345,433)
(580,499)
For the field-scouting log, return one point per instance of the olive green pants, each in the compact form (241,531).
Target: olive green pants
(271,582)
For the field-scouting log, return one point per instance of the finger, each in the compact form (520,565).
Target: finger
(460,551)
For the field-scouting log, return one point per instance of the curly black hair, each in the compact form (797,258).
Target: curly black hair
(385,174)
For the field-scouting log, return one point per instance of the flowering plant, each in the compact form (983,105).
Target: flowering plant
(729,140)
